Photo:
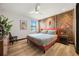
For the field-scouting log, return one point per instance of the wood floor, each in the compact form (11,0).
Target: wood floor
(22,48)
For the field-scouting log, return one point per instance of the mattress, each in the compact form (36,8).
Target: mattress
(42,39)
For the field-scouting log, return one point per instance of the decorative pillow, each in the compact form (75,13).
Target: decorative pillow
(51,31)
(44,31)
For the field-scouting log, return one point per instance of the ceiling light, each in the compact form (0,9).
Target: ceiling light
(63,9)
(36,12)
(36,9)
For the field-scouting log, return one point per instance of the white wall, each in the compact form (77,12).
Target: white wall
(15,18)
(16,31)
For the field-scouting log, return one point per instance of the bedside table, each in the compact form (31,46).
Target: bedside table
(64,39)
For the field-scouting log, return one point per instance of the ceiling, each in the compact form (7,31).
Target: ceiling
(46,9)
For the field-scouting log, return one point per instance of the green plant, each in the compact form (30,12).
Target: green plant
(4,21)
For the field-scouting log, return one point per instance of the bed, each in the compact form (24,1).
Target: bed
(41,40)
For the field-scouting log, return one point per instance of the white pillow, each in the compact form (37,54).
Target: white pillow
(51,31)
(44,31)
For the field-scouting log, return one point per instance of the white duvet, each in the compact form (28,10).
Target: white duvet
(42,39)
(41,36)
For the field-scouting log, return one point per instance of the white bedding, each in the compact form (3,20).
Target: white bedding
(41,36)
(42,39)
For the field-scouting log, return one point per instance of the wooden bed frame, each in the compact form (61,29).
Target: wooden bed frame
(43,48)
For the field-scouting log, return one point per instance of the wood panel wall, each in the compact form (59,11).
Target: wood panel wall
(48,23)
(64,20)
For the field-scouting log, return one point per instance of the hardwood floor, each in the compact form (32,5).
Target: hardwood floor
(22,48)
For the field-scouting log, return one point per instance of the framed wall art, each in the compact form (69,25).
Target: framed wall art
(23,24)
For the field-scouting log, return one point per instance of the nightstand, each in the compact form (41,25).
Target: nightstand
(64,39)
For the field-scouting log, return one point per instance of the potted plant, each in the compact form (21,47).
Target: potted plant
(6,24)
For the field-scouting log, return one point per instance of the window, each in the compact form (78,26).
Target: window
(33,25)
